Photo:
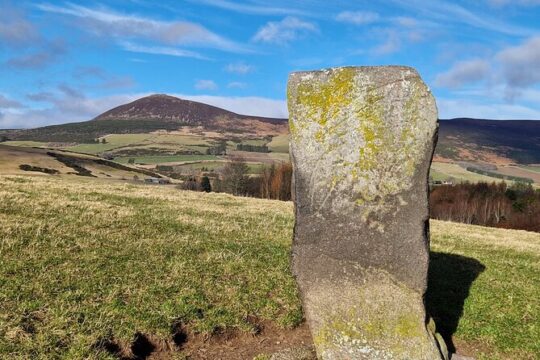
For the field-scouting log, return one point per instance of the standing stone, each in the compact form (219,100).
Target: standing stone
(362,139)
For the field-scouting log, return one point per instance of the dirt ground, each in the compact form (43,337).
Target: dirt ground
(233,345)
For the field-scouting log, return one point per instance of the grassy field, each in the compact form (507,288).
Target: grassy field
(279,144)
(253,168)
(12,157)
(535,168)
(160,159)
(444,171)
(25,143)
(86,262)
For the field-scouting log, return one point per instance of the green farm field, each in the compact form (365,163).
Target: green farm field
(160,159)
(92,269)
(445,171)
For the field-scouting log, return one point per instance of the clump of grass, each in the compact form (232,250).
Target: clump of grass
(83,261)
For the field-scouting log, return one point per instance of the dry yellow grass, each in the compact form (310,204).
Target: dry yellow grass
(85,259)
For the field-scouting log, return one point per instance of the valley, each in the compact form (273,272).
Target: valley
(182,138)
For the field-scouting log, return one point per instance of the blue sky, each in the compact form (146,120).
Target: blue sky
(69,61)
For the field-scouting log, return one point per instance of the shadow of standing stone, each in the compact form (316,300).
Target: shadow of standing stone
(450,279)
(362,139)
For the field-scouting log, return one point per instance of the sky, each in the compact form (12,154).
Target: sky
(70,61)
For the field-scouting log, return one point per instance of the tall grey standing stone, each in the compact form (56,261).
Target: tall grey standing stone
(362,139)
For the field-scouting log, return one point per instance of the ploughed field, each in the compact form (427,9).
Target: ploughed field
(104,270)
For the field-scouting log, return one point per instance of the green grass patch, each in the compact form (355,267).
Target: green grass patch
(279,144)
(533,168)
(113,141)
(158,159)
(84,260)
(26,143)
(458,173)
(437,175)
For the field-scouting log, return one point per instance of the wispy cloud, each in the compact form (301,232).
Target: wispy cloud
(452,13)
(463,72)
(521,64)
(515,68)
(251,8)
(236,85)
(206,85)
(453,108)
(239,68)
(107,23)
(284,31)
(247,105)
(161,50)
(391,44)
(64,108)
(45,54)
(501,3)
(15,29)
(358,17)
(6,103)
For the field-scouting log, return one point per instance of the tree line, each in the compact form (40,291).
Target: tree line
(274,182)
(515,206)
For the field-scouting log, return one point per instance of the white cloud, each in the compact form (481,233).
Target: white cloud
(64,108)
(239,68)
(516,68)
(452,13)
(453,108)
(107,23)
(161,50)
(284,31)
(205,85)
(6,103)
(357,17)
(47,53)
(406,21)
(236,85)
(500,3)
(521,64)
(251,9)
(248,105)
(463,72)
(15,29)
(390,45)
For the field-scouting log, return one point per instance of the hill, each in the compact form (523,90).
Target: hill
(500,142)
(23,160)
(149,114)
(161,130)
(492,141)
(105,270)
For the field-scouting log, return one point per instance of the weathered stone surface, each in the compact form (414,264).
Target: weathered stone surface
(362,139)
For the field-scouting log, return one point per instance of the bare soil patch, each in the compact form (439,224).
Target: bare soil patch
(229,344)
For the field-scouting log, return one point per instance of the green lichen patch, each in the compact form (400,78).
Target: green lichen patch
(381,320)
(358,140)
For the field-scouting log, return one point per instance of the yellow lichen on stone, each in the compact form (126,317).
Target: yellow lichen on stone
(344,118)
(384,317)
(324,102)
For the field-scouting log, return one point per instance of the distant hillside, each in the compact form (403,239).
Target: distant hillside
(490,141)
(494,142)
(166,108)
(148,114)
(32,161)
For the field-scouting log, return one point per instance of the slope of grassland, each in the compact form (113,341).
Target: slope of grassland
(16,160)
(90,269)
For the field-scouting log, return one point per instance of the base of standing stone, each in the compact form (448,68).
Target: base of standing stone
(374,317)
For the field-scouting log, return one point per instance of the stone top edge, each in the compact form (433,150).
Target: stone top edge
(359,69)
